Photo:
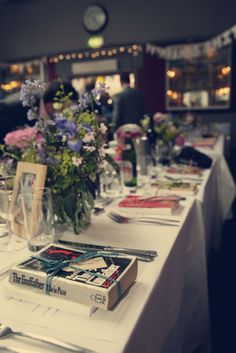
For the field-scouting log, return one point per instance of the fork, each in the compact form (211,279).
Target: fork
(6,331)
(118,218)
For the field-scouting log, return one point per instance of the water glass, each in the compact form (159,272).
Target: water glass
(146,171)
(38,217)
(111,184)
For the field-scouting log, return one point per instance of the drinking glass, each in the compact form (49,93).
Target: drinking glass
(111,183)
(38,217)
(8,240)
(149,173)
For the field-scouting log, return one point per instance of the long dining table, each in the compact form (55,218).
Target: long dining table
(166,310)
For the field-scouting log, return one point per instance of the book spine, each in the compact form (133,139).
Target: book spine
(69,290)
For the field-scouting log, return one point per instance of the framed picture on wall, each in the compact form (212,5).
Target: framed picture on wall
(29,176)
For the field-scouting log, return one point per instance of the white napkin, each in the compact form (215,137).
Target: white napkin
(10,290)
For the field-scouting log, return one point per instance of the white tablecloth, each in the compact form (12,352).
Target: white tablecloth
(156,315)
(217,195)
(166,310)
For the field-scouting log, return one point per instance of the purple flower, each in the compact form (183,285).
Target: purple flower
(60,122)
(99,90)
(74,145)
(84,101)
(69,127)
(51,160)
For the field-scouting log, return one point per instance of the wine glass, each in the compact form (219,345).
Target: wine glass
(8,240)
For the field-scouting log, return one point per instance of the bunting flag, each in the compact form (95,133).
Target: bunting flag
(191,51)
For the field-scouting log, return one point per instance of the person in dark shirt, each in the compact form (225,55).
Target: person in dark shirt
(128,105)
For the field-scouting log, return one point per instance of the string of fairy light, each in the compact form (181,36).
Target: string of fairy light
(133,50)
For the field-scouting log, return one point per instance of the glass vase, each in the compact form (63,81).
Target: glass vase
(72,209)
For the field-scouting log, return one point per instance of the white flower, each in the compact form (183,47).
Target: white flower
(102,152)
(103,128)
(77,161)
(89,136)
(103,164)
(89,148)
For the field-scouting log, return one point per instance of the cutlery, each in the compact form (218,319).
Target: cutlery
(118,215)
(162,198)
(4,270)
(99,206)
(140,257)
(84,246)
(148,220)
(6,331)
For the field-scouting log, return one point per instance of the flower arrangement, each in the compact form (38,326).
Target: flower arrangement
(71,145)
(165,128)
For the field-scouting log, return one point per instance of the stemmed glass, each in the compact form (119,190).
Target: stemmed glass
(8,240)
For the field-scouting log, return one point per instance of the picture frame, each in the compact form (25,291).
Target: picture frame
(29,176)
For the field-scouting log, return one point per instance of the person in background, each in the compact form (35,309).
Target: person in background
(89,86)
(50,95)
(99,109)
(128,105)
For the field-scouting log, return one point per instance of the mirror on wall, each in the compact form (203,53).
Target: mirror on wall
(199,83)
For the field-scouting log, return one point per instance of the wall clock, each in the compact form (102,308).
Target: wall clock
(95,18)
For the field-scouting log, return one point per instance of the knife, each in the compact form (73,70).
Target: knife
(89,247)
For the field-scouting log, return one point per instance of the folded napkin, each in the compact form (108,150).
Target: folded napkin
(150,202)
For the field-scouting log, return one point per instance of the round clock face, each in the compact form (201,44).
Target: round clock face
(95,18)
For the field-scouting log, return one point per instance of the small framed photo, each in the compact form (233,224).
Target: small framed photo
(29,176)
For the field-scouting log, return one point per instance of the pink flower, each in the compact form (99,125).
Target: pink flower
(158,117)
(20,138)
(39,137)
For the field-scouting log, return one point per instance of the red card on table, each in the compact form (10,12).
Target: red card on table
(150,202)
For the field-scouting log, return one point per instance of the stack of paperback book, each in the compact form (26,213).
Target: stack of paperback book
(99,280)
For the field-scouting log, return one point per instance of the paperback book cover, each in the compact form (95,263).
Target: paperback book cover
(98,281)
(163,204)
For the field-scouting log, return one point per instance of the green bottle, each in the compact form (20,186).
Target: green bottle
(129,162)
